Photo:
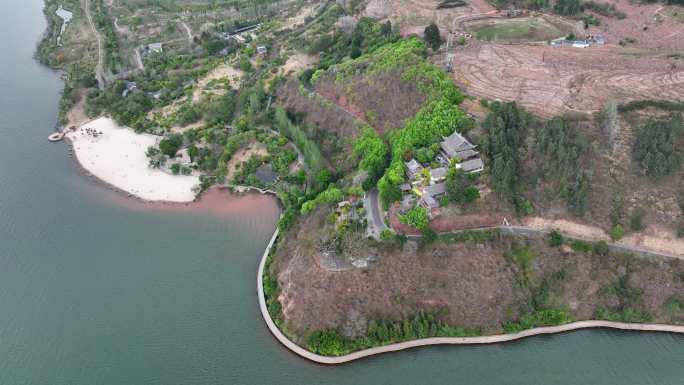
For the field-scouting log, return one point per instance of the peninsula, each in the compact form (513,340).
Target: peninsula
(481,172)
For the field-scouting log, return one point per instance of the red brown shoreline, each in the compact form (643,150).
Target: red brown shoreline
(217,200)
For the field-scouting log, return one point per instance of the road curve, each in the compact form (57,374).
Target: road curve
(437,340)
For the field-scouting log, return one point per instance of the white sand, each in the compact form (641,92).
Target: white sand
(118,158)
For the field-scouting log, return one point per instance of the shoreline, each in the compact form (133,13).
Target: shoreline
(217,200)
(117,159)
(480,340)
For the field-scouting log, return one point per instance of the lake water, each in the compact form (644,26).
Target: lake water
(98,290)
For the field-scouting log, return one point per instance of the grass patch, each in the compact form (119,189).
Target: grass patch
(517,29)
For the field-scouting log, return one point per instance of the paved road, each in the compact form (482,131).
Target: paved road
(376,223)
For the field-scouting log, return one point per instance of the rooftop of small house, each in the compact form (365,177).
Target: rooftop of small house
(472,165)
(413,166)
(266,174)
(455,143)
(438,173)
(435,190)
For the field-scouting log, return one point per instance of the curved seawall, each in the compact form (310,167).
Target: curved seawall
(438,340)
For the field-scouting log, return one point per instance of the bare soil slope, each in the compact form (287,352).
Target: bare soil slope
(473,284)
(549,80)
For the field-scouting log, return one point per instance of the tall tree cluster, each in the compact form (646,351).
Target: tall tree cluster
(506,125)
(657,147)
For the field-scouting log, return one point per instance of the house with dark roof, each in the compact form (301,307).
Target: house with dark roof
(413,168)
(472,165)
(266,175)
(435,190)
(454,144)
(438,175)
(430,194)
(429,203)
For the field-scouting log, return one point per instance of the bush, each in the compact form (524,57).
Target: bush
(673,305)
(581,246)
(601,248)
(329,196)
(170,146)
(327,343)
(548,317)
(555,238)
(636,221)
(416,217)
(617,232)
(432,37)
(422,325)
(429,235)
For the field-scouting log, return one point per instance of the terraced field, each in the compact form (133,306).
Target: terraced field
(550,80)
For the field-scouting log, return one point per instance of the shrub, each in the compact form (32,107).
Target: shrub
(601,248)
(326,343)
(636,222)
(432,37)
(416,217)
(673,305)
(617,232)
(548,317)
(329,196)
(169,146)
(581,246)
(555,238)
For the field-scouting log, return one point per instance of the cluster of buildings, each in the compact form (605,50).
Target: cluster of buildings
(240,36)
(590,40)
(427,185)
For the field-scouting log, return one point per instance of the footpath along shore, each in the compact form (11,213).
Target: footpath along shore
(438,340)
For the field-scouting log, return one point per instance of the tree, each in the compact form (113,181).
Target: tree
(456,184)
(568,7)
(608,121)
(169,146)
(506,125)
(432,37)
(416,217)
(656,146)
(555,238)
(373,152)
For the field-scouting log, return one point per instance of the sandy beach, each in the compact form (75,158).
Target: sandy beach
(117,156)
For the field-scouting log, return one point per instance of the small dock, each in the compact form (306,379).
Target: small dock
(58,136)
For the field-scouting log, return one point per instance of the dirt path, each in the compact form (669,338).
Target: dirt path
(139,60)
(99,70)
(188,31)
(76,115)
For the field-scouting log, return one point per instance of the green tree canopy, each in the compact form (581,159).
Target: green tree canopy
(416,217)
(432,37)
